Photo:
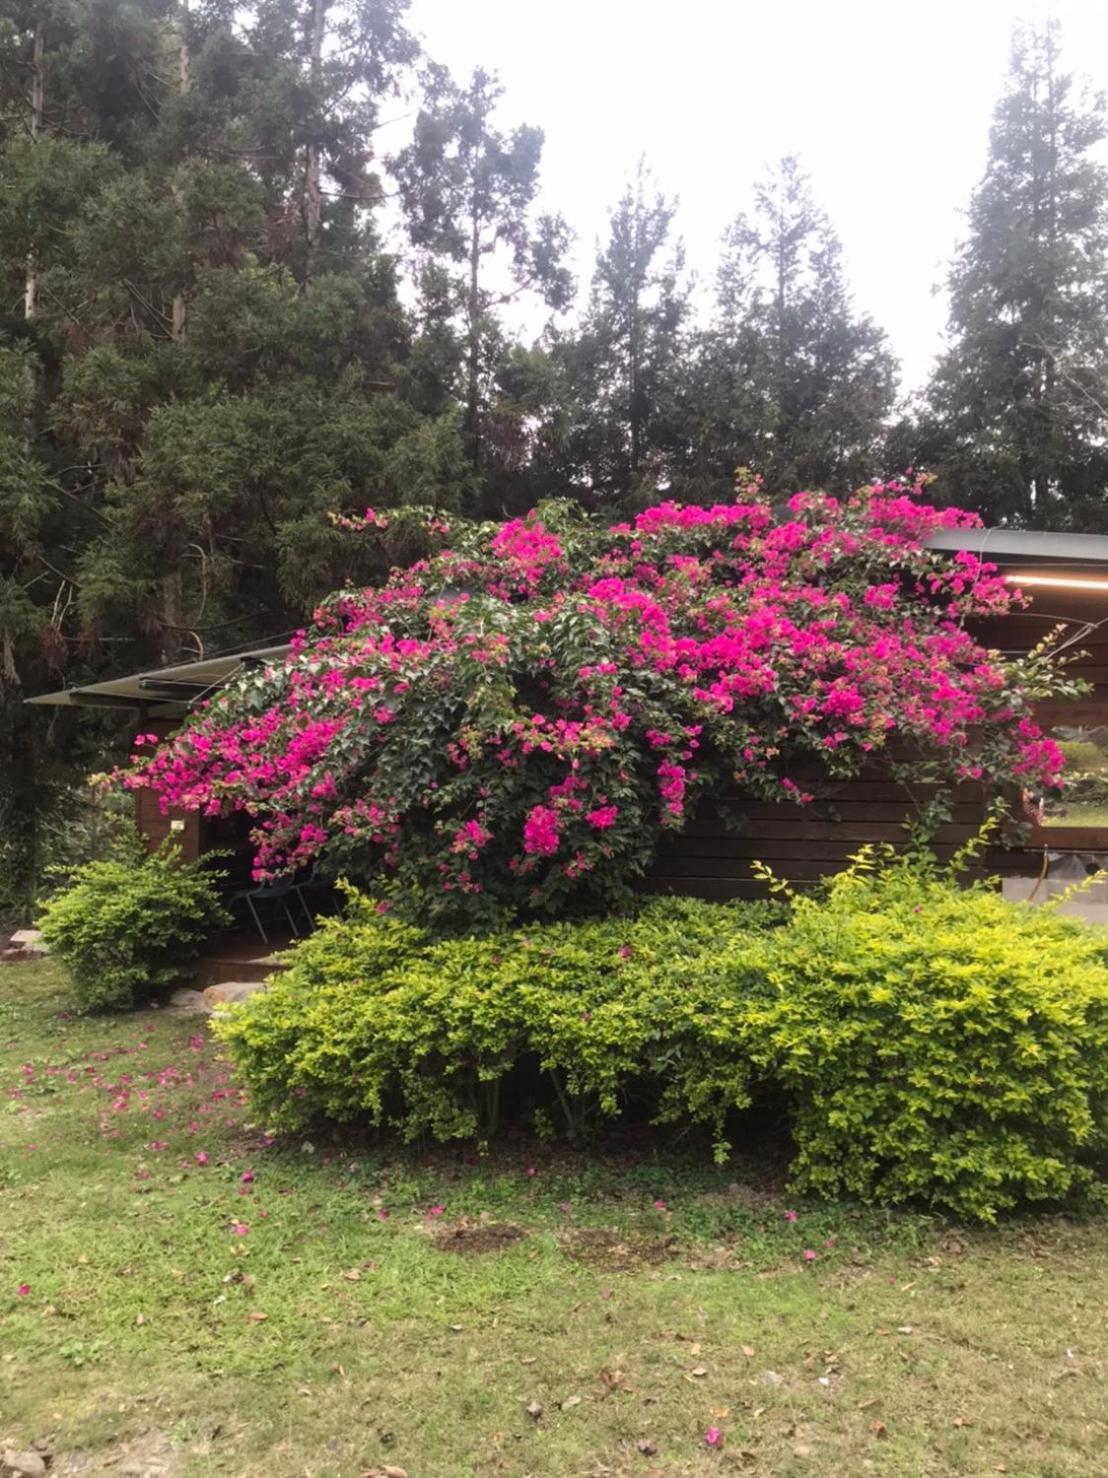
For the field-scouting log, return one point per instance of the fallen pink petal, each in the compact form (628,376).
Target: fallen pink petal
(713,1437)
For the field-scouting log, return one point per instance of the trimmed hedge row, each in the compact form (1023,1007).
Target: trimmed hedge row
(931,1042)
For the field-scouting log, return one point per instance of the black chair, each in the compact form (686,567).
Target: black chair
(310,882)
(276,893)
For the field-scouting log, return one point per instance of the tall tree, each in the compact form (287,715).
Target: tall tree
(197,365)
(468,189)
(789,380)
(623,368)
(1021,395)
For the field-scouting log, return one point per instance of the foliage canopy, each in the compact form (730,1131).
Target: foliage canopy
(514,721)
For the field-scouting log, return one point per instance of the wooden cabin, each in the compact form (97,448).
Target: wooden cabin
(1066,575)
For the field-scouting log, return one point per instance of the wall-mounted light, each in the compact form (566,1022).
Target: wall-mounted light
(1057,582)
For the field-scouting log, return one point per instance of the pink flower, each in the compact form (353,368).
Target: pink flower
(530,1172)
(809,1255)
(23,1290)
(239,1228)
(790,1215)
(540,832)
(202,1157)
(436,1210)
(713,1437)
(660,1205)
(383,1213)
(247,1177)
(602,817)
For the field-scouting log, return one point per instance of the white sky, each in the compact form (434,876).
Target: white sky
(888,104)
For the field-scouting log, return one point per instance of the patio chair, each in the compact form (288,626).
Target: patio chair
(311,882)
(276,893)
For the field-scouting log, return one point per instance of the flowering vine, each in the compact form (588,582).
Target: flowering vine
(515,720)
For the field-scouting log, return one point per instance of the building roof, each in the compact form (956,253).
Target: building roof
(168,692)
(163,692)
(1025,547)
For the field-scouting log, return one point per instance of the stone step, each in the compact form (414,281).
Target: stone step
(217,971)
(228,991)
(190,1000)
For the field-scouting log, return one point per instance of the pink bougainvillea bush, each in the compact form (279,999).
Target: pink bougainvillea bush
(513,722)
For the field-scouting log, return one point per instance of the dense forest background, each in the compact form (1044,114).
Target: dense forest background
(226,315)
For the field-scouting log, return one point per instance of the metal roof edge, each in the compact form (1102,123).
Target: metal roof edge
(1035,545)
(140,690)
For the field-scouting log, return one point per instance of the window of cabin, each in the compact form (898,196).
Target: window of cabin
(1078,818)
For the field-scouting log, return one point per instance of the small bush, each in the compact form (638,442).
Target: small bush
(930,1042)
(129,925)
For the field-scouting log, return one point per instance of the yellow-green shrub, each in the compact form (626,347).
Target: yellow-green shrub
(935,1042)
(131,924)
(374,1019)
(931,1042)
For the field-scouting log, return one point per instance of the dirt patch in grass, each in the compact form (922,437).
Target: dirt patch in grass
(601,1247)
(470,1240)
(150,1454)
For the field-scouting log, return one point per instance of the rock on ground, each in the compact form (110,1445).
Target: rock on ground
(231,990)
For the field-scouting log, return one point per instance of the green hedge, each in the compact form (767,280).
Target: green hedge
(930,1042)
(130,925)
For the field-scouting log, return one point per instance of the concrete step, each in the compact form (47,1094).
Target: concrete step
(238,957)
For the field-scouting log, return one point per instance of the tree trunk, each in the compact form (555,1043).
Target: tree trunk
(313,196)
(177,329)
(30,281)
(473,358)
(172,614)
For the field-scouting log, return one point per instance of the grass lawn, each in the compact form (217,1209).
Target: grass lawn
(1080,814)
(348,1311)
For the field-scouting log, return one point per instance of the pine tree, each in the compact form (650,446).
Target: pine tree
(468,189)
(613,433)
(789,380)
(1021,391)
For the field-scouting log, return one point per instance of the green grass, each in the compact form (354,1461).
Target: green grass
(906,1348)
(1080,813)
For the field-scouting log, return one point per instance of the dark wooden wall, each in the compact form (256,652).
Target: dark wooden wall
(711,859)
(155,827)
